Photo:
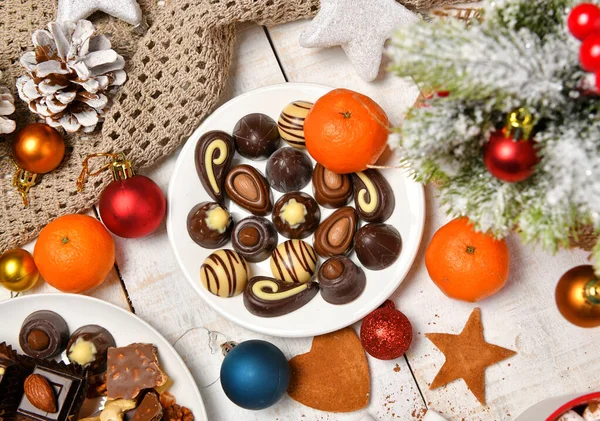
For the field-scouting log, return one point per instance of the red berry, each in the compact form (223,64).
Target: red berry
(589,55)
(584,20)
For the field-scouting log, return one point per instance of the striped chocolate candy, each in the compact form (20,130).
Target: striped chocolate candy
(294,261)
(291,123)
(224,273)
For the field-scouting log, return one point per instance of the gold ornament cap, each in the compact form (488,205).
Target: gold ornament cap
(578,296)
(519,124)
(120,168)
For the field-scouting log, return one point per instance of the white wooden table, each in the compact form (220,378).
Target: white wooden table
(553,357)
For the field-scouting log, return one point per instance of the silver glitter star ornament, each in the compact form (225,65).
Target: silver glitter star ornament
(360,27)
(74,10)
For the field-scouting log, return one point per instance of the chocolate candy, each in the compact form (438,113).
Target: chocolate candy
(256,136)
(331,190)
(132,369)
(341,280)
(296,215)
(210,225)
(291,123)
(214,153)
(224,273)
(377,245)
(88,346)
(373,196)
(149,409)
(254,238)
(68,387)
(294,261)
(44,334)
(335,236)
(289,170)
(268,297)
(247,187)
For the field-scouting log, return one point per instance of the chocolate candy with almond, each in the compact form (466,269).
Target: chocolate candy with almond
(247,187)
(331,190)
(335,236)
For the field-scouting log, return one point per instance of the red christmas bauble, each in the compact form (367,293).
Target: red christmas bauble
(386,333)
(133,207)
(589,54)
(508,159)
(584,20)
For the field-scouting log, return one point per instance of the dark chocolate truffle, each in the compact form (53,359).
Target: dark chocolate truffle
(214,153)
(248,188)
(256,136)
(268,297)
(289,170)
(210,225)
(331,190)
(377,245)
(341,281)
(88,347)
(44,334)
(296,215)
(254,238)
(373,196)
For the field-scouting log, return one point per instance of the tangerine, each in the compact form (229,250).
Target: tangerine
(346,131)
(74,253)
(465,264)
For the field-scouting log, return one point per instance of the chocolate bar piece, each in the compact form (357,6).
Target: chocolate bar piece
(149,410)
(132,369)
(69,391)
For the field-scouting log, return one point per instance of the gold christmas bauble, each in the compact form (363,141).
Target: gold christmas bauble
(578,296)
(18,272)
(38,148)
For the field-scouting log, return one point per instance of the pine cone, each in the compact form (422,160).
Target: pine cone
(177,413)
(7,107)
(72,74)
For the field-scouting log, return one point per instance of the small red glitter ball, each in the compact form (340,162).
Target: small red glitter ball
(386,333)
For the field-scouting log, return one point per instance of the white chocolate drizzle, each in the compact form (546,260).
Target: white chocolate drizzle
(371,205)
(258,289)
(209,162)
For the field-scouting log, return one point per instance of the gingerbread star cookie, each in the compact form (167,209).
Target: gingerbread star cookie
(467,356)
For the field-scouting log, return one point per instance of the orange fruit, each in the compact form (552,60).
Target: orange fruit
(465,264)
(74,253)
(345,131)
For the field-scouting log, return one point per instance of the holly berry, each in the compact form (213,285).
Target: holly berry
(584,20)
(589,55)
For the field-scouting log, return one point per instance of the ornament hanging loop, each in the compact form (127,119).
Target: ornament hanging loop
(120,167)
(24,180)
(519,124)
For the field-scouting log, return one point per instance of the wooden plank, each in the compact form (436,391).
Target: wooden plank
(111,290)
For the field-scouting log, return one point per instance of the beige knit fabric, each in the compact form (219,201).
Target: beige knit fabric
(176,73)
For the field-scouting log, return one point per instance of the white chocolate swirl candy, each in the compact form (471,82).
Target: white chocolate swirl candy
(291,123)
(214,153)
(268,297)
(224,273)
(294,261)
(373,196)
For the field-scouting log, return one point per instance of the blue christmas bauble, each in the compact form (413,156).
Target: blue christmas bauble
(255,374)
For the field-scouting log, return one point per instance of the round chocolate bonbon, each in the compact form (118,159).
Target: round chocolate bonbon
(335,235)
(341,281)
(88,347)
(377,245)
(254,238)
(373,196)
(331,190)
(268,297)
(43,334)
(289,170)
(247,187)
(213,155)
(210,225)
(294,261)
(224,273)
(296,215)
(291,123)
(256,136)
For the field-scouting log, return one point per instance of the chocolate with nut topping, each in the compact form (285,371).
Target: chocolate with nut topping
(247,187)
(331,190)
(335,236)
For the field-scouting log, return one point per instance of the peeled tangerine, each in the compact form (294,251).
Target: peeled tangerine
(346,131)
(465,264)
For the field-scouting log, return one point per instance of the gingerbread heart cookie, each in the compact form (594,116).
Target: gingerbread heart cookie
(334,375)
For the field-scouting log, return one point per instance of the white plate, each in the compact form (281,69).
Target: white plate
(126,328)
(317,317)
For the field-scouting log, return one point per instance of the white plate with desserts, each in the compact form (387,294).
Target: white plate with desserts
(241,276)
(126,328)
